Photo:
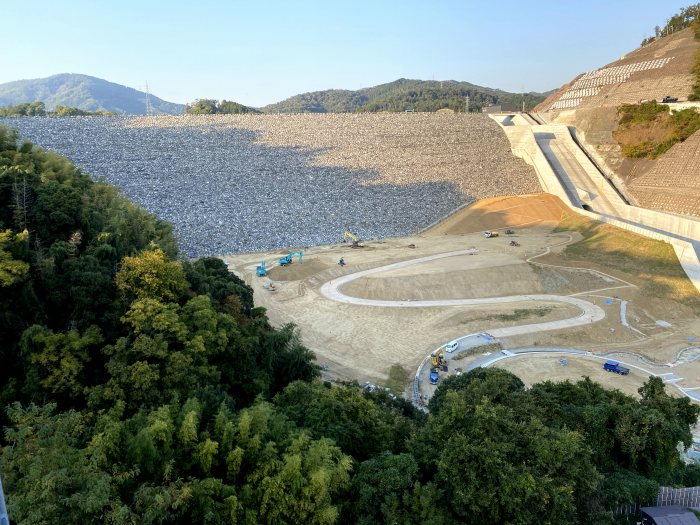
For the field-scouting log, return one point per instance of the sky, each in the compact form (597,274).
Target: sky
(260,52)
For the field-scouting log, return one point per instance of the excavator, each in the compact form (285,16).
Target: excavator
(287,259)
(347,234)
(437,358)
(260,270)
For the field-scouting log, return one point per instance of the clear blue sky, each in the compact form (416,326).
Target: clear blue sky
(258,52)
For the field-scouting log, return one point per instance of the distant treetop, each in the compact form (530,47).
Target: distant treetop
(38,109)
(207,106)
(406,94)
(686,17)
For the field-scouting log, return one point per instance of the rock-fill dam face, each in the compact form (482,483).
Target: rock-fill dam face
(243,183)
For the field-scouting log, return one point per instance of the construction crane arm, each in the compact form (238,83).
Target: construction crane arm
(349,235)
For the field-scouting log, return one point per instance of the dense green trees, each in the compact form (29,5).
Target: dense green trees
(207,106)
(38,109)
(403,94)
(647,130)
(25,109)
(136,388)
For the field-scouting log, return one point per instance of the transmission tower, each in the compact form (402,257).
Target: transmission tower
(149,108)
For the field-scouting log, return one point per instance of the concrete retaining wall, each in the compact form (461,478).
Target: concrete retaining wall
(681,232)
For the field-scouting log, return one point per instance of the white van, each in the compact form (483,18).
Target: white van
(451,346)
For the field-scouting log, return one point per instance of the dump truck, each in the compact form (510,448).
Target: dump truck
(614,366)
(490,234)
(434,376)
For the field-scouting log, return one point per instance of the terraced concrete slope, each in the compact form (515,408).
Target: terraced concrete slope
(590,101)
(651,72)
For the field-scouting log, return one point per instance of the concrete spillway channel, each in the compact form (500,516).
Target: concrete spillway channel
(573,177)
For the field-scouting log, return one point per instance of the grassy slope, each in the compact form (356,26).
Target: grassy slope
(652,262)
(648,130)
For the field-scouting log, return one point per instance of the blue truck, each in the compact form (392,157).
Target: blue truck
(434,376)
(614,366)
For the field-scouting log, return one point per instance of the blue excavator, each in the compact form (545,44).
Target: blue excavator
(260,270)
(287,259)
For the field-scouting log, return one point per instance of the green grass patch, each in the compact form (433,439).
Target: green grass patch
(653,262)
(468,352)
(647,130)
(631,114)
(398,379)
(523,313)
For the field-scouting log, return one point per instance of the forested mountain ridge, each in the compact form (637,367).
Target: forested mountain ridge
(403,94)
(140,388)
(83,92)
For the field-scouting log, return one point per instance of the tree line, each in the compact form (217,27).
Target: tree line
(38,109)
(686,17)
(137,387)
(406,94)
(207,106)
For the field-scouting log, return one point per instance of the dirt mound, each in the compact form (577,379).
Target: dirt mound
(297,271)
(500,213)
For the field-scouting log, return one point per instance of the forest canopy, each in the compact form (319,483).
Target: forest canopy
(38,109)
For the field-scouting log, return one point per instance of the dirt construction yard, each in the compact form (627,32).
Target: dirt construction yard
(401,320)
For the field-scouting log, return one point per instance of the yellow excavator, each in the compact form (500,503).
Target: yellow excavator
(347,234)
(437,358)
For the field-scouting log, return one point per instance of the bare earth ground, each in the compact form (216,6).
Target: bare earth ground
(361,342)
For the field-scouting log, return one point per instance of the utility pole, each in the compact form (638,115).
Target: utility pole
(467,108)
(4,518)
(149,108)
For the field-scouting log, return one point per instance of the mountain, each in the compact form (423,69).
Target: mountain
(403,94)
(84,92)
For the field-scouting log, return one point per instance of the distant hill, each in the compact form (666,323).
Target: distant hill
(403,94)
(84,92)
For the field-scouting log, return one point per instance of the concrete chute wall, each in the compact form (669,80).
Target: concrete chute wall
(683,233)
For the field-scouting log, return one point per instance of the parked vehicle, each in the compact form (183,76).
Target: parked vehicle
(614,366)
(451,346)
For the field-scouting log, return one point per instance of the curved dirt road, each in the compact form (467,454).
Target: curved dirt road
(590,313)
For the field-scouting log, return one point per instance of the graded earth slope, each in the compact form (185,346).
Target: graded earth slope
(451,281)
(590,103)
